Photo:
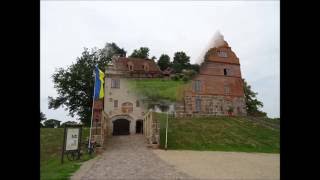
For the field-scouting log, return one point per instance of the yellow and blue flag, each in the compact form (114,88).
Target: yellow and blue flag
(98,89)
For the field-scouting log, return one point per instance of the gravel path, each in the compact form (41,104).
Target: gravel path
(224,165)
(127,157)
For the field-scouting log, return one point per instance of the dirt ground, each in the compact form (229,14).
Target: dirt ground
(223,165)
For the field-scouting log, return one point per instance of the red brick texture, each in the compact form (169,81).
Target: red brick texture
(221,85)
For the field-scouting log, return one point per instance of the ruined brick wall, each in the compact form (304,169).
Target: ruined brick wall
(218,86)
(214,105)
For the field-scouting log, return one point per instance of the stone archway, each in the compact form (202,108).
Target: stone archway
(121,125)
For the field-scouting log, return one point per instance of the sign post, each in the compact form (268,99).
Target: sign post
(71,140)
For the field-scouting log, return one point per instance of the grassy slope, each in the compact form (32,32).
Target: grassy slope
(221,134)
(50,154)
(158,88)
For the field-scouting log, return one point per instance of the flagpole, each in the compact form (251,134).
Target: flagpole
(166,132)
(94,94)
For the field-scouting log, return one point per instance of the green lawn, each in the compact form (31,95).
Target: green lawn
(240,134)
(155,89)
(51,140)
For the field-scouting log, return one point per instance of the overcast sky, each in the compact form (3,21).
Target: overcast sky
(252,29)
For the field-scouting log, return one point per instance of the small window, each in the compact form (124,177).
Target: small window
(222,54)
(198,104)
(115,83)
(137,103)
(131,67)
(197,85)
(227,72)
(115,103)
(110,99)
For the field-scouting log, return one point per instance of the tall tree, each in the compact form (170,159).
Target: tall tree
(52,123)
(74,84)
(180,61)
(164,61)
(42,117)
(142,53)
(195,67)
(252,103)
(69,123)
(109,50)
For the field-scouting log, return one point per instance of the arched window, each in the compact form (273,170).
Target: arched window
(127,107)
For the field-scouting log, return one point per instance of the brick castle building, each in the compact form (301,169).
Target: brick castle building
(218,88)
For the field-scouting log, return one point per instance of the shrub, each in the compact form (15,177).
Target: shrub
(185,78)
(230,109)
(175,77)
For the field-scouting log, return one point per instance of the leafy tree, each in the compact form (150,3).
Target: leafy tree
(42,117)
(252,103)
(180,61)
(188,74)
(164,61)
(154,58)
(195,67)
(52,123)
(109,50)
(69,123)
(74,84)
(142,53)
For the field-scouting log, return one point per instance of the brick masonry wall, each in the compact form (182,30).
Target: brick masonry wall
(218,91)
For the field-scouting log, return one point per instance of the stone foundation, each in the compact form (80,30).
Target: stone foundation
(211,106)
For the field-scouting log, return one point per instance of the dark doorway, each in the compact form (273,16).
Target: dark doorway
(121,127)
(139,127)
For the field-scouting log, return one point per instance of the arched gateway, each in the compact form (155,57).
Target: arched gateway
(121,124)
(121,127)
